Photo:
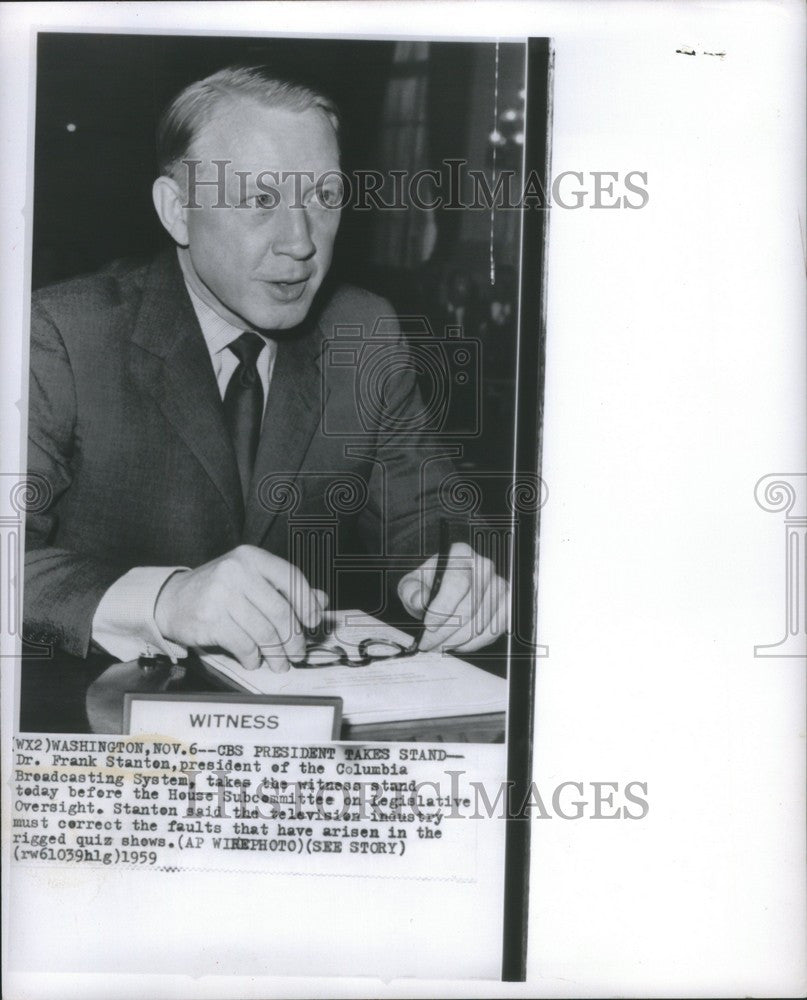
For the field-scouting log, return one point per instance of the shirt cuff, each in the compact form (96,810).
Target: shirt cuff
(124,622)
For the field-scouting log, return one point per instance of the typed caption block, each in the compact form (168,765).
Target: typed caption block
(408,811)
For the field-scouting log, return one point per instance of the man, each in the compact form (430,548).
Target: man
(168,401)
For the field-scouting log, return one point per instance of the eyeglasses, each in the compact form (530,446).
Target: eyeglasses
(332,654)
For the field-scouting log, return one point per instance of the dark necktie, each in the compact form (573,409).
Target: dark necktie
(243,404)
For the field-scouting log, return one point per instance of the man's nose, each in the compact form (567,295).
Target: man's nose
(292,232)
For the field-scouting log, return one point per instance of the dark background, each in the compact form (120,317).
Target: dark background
(93,182)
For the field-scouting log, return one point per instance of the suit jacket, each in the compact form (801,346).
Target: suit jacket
(136,467)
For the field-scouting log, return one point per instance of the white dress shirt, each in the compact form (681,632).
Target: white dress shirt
(124,622)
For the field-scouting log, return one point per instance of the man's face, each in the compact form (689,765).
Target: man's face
(259,260)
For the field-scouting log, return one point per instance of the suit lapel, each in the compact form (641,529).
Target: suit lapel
(170,362)
(293,412)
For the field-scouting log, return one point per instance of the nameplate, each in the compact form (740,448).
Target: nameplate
(233,718)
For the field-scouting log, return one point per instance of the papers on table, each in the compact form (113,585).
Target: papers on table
(416,686)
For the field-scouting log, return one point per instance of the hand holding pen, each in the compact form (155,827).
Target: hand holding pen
(463,603)
(441,564)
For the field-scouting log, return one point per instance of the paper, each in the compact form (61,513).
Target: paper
(418,686)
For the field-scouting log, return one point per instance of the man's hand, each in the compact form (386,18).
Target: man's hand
(471,608)
(252,604)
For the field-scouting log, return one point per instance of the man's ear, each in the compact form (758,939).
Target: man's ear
(169,205)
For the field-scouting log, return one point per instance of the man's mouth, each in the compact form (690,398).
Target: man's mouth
(288,291)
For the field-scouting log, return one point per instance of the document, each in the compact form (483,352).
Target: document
(374,688)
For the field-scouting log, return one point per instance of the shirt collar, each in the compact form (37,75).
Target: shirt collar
(218,333)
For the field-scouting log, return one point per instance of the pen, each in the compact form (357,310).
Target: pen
(444,548)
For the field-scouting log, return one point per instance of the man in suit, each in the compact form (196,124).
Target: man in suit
(179,412)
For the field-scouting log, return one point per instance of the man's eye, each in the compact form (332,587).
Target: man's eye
(328,197)
(264,199)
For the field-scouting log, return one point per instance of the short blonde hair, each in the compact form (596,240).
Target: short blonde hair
(196,105)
